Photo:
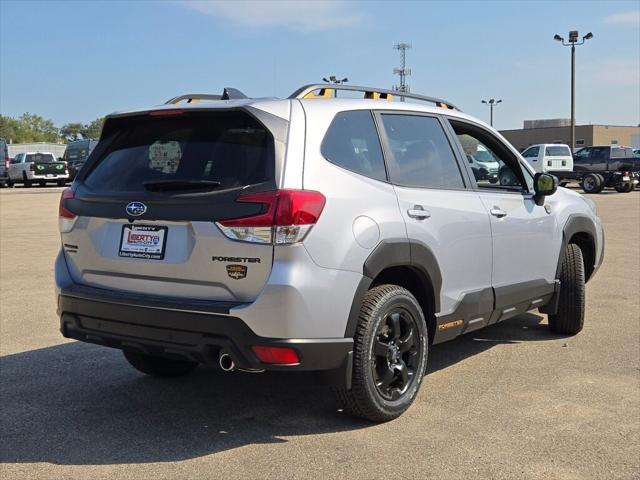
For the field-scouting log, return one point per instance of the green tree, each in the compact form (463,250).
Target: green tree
(93,129)
(73,131)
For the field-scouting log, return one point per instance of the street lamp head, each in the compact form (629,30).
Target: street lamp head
(484,101)
(499,101)
(588,36)
(558,38)
(325,79)
(573,36)
(344,80)
(491,101)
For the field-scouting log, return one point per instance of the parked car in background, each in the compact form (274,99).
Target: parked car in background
(549,157)
(484,166)
(37,167)
(604,166)
(4,162)
(76,154)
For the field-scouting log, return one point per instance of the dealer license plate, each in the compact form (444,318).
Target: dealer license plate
(143,241)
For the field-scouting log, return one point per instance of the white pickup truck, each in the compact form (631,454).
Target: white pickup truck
(549,157)
(37,167)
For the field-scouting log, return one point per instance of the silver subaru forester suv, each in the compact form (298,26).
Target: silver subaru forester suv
(338,230)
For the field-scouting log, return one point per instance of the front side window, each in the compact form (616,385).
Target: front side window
(352,142)
(531,152)
(500,169)
(421,155)
(582,155)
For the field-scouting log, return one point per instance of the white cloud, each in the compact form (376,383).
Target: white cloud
(303,16)
(621,72)
(626,18)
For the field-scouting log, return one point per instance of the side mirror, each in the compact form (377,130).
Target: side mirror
(544,184)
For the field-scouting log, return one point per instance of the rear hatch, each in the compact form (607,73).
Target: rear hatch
(557,158)
(150,194)
(45,164)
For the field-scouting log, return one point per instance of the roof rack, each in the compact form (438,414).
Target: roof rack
(327,90)
(227,94)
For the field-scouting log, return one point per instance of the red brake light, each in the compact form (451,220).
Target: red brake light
(62,211)
(288,216)
(284,207)
(276,355)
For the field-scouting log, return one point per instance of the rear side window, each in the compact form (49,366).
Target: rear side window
(422,155)
(352,142)
(40,158)
(557,152)
(229,148)
(531,152)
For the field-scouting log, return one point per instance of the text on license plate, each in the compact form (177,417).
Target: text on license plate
(143,241)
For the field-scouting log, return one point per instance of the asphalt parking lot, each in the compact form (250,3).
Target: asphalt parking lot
(509,401)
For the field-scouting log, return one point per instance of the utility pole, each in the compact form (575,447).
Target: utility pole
(573,41)
(403,71)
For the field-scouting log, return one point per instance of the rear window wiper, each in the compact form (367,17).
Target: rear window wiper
(170,185)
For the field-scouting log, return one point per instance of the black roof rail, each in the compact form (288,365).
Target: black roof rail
(369,92)
(227,94)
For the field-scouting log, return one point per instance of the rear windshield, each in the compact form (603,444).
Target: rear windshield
(620,152)
(40,158)
(557,152)
(229,148)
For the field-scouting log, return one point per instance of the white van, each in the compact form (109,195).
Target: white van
(549,157)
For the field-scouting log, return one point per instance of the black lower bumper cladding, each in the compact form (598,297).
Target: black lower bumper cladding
(183,330)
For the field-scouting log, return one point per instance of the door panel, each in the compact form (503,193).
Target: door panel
(455,226)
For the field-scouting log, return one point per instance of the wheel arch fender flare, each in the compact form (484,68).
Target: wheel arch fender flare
(577,224)
(396,253)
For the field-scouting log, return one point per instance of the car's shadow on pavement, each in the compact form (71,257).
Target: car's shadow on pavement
(79,404)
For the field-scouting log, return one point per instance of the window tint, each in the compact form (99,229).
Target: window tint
(231,148)
(352,142)
(600,153)
(531,152)
(557,152)
(40,158)
(422,156)
(500,170)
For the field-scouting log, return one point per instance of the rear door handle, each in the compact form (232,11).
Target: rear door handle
(418,212)
(498,212)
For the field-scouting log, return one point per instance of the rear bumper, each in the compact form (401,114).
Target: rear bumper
(195,331)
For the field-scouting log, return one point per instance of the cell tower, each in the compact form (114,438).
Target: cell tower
(403,71)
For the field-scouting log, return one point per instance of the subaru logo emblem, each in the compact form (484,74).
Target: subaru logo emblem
(135,209)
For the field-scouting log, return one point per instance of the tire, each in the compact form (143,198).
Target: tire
(159,366)
(623,187)
(569,319)
(592,183)
(26,181)
(389,355)
(42,184)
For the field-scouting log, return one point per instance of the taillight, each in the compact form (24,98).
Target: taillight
(276,355)
(287,218)
(66,219)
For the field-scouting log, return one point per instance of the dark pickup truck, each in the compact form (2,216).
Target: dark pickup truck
(599,167)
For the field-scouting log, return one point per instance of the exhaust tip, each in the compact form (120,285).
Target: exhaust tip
(226,362)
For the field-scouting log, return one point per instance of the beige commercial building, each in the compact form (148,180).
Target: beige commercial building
(586,135)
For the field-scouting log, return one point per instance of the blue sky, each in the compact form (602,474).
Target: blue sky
(74,61)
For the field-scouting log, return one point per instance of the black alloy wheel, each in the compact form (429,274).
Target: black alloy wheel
(396,354)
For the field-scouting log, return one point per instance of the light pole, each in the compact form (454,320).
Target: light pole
(573,41)
(491,103)
(335,80)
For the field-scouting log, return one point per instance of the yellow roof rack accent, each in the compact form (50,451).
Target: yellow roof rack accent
(309,91)
(322,93)
(378,96)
